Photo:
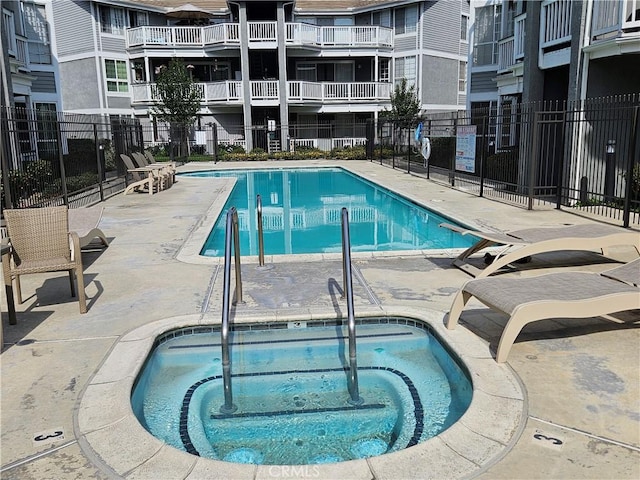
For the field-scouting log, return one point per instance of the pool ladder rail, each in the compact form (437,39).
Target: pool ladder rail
(231,232)
(354,392)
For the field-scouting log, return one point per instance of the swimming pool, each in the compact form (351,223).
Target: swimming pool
(290,389)
(301,214)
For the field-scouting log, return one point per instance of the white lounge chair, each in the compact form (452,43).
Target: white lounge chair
(84,221)
(521,244)
(554,295)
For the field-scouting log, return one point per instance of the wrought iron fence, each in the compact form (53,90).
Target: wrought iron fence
(583,156)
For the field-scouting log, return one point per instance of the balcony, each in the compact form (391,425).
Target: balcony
(555,33)
(511,49)
(302,34)
(615,28)
(326,92)
(261,35)
(266,92)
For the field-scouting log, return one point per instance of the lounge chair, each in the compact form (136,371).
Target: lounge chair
(84,221)
(554,295)
(144,178)
(141,161)
(41,242)
(521,244)
(170,165)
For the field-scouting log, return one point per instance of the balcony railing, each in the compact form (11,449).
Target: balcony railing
(519,36)
(555,23)
(506,56)
(301,34)
(22,52)
(266,90)
(615,18)
(338,91)
(348,36)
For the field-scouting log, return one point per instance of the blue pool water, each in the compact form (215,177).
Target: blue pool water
(289,384)
(301,214)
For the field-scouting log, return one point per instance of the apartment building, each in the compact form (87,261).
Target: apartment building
(566,50)
(294,64)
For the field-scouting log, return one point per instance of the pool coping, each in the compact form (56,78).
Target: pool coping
(111,436)
(190,250)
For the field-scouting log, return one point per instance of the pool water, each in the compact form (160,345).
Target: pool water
(289,384)
(301,212)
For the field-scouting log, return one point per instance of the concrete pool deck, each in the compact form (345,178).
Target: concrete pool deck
(579,411)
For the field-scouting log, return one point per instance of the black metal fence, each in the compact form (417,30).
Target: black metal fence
(582,156)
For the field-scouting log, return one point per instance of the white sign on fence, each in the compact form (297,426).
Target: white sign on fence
(466,148)
(201,137)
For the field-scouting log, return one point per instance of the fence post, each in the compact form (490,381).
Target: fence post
(99,161)
(380,137)
(214,137)
(452,167)
(626,213)
(63,176)
(532,161)
(483,156)
(408,150)
(561,166)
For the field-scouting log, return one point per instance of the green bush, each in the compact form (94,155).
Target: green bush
(503,166)
(443,151)
(358,152)
(82,181)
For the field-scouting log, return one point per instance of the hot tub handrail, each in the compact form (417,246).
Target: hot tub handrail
(348,288)
(231,230)
(260,234)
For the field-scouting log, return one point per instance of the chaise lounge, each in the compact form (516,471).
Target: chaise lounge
(521,244)
(84,221)
(554,295)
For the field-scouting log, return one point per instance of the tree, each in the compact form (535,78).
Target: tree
(405,107)
(404,104)
(177,100)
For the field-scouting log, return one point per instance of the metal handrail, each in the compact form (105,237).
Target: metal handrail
(260,235)
(231,230)
(348,288)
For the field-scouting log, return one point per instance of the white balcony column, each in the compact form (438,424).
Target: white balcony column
(376,66)
(147,70)
(246,83)
(282,77)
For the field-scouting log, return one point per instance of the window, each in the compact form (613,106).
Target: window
(464,27)
(485,48)
(37,33)
(405,67)
(384,70)
(137,19)
(9,27)
(306,72)
(406,19)
(462,77)
(47,121)
(112,20)
(116,73)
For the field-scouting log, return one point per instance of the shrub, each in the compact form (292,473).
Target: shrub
(443,151)
(358,152)
(503,166)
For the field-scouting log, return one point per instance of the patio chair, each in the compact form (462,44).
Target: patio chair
(144,178)
(84,221)
(521,244)
(41,242)
(554,295)
(170,165)
(164,170)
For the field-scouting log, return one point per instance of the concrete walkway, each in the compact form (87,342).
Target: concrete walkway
(579,380)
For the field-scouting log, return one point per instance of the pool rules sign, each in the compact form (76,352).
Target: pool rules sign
(466,148)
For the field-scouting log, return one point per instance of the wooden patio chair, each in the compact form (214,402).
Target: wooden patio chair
(144,178)
(41,242)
